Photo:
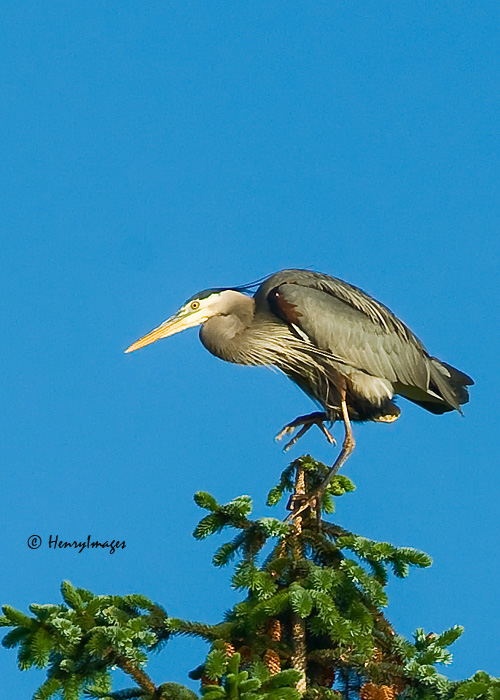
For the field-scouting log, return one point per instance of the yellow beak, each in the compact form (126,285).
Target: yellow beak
(169,327)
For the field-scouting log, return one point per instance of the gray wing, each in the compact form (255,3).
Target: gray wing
(356,329)
(351,295)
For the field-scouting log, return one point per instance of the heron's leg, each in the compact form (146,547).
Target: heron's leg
(306,422)
(347,448)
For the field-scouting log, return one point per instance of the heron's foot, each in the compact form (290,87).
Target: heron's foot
(298,504)
(306,422)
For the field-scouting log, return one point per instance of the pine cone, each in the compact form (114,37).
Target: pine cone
(368,691)
(371,691)
(377,655)
(274,629)
(229,649)
(272,661)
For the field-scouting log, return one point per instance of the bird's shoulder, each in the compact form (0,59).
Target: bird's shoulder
(287,291)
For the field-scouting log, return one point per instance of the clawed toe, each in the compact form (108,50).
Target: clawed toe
(305,423)
(298,504)
(297,437)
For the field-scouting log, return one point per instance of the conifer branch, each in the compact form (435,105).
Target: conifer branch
(137,674)
(202,630)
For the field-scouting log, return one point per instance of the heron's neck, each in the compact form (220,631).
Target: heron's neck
(224,335)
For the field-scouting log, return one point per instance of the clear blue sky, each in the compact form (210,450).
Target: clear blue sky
(150,150)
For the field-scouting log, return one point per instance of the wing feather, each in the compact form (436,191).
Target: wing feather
(353,296)
(353,327)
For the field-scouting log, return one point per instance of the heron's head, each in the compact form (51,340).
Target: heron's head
(197,310)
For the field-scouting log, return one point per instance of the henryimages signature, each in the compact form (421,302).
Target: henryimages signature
(35,542)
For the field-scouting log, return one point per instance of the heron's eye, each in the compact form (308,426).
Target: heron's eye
(195,305)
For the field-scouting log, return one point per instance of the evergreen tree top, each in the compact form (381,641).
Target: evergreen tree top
(310,622)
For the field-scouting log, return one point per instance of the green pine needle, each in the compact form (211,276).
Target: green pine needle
(225,553)
(14,637)
(446,638)
(48,689)
(274,496)
(301,601)
(15,617)
(239,507)
(209,525)
(215,664)
(71,596)
(41,644)
(206,500)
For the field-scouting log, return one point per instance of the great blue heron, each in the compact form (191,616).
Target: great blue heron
(343,348)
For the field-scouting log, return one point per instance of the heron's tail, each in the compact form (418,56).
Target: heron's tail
(447,388)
